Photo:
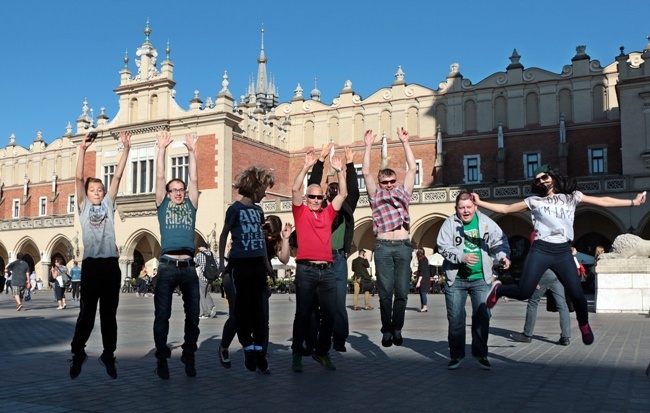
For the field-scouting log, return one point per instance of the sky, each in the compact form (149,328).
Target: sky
(55,54)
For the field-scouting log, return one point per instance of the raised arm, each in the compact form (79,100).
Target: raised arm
(500,208)
(338,200)
(285,251)
(371,187)
(119,171)
(409,179)
(351,179)
(164,140)
(79,175)
(193,184)
(317,171)
(296,193)
(608,201)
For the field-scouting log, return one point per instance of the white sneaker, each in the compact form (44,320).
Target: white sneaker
(213,312)
(203,317)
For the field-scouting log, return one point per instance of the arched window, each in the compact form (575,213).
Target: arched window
(133,110)
(384,123)
(599,102)
(469,115)
(500,112)
(359,129)
(532,109)
(309,134)
(412,122)
(333,129)
(153,107)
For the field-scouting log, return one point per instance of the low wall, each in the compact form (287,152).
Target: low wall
(623,285)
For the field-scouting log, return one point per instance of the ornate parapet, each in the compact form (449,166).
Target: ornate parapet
(623,285)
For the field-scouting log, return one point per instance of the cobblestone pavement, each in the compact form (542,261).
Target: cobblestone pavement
(608,376)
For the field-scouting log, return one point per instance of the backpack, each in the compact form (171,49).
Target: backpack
(211,271)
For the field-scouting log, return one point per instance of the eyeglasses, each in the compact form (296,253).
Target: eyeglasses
(391,181)
(176,190)
(542,178)
(312,196)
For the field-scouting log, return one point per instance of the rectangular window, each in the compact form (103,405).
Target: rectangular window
(472,167)
(42,206)
(71,204)
(15,210)
(597,160)
(180,168)
(142,170)
(109,173)
(531,162)
(360,179)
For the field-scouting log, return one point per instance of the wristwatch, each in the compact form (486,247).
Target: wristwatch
(338,169)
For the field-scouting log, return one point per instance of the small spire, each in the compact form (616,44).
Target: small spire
(126,58)
(297,92)
(647,46)
(12,140)
(315,93)
(225,83)
(147,32)
(399,76)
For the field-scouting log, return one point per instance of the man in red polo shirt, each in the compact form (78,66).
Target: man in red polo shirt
(314,272)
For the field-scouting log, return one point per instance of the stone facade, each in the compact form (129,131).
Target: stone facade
(590,120)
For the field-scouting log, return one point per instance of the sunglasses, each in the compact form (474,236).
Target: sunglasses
(312,196)
(392,181)
(542,178)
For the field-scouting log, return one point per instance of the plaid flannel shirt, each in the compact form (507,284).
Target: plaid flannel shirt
(390,210)
(199,259)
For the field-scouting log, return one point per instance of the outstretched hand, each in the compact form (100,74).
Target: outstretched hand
(190,142)
(336,162)
(125,137)
(403,135)
(369,138)
(287,230)
(310,158)
(325,151)
(349,155)
(164,139)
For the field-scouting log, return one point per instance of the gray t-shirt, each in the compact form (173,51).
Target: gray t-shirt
(553,216)
(19,269)
(98,229)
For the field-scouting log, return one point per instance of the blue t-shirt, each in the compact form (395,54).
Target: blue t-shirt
(246,232)
(177,224)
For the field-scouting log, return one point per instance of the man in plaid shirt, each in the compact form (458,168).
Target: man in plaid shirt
(391,225)
(208,310)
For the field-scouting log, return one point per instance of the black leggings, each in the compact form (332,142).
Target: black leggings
(542,256)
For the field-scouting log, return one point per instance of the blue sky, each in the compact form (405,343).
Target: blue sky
(56,53)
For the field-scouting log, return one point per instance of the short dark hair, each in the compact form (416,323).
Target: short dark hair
(93,180)
(463,196)
(175,180)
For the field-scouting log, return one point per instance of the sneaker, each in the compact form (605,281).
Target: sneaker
(397,338)
(261,362)
(587,334)
(387,340)
(483,361)
(454,363)
(296,362)
(213,312)
(190,369)
(203,317)
(75,366)
(492,298)
(109,363)
(249,360)
(521,337)
(324,361)
(224,357)
(162,370)
(340,347)
(369,307)
(563,341)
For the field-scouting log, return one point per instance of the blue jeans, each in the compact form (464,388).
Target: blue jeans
(310,283)
(423,295)
(542,256)
(548,282)
(341,324)
(169,277)
(393,266)
(455,299)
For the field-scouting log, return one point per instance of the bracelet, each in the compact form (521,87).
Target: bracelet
(338,169)
(632,201)
(84,147)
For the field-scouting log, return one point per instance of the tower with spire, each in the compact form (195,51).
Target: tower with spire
(263,92)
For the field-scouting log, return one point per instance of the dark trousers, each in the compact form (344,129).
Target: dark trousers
(99,284)
(249,276)
(557,257)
